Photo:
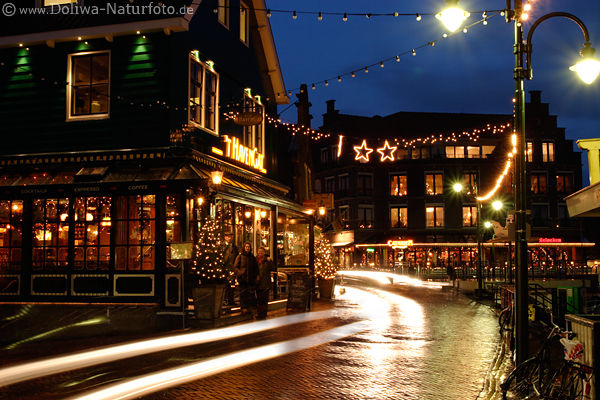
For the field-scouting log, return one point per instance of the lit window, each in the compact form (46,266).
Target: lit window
(11,235)
(135,233)
(455,152)
(398,185)
(434,184)
(365,217)
(244,23)
(434,216)
(50,233)
(223,12)
(474,151)
(88,94)
(399,217)
(203,101)
(529,152)
(539,183)
(547,152)
(469,215)
(564,183)
(254,135)
(469,182)
(487,150)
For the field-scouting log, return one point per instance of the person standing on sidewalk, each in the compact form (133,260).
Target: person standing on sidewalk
(265,266)
(246,270)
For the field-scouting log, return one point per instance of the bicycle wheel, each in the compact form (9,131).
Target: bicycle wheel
(566,384)
(520,382)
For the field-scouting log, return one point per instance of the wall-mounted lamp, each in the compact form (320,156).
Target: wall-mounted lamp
(217,177)
(322,210)
(200,200)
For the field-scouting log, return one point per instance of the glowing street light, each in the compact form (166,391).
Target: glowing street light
(487,224)
(497,205)
(453,16)
(458,187)
(588,68)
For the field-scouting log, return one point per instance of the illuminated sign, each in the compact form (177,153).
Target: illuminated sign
(370,250)
(240,153)
(549,240)
(400,244)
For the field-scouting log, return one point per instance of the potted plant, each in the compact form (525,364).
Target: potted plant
(325,268)
(210,276)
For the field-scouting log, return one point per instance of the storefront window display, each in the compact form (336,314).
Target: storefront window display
(262,228)
(50,233)
(244,225)
(173,232)
(135,232)
(11,225)
(92,232)
(292,240)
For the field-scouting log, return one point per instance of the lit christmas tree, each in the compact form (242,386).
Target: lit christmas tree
(325,267)
(208,254)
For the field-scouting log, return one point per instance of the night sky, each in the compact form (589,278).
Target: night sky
(469,73)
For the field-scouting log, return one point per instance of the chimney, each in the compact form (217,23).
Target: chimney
(303,106)
(535,96)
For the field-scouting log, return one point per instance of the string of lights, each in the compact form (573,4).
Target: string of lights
(505,171)
(396,57)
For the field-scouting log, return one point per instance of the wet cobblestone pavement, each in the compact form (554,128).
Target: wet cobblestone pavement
(417,343)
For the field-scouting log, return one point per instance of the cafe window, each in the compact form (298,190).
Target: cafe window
(91,236)
(204,95)
(244,23)
(469,214)
(135,232)
(399,217)
(434,184)
(173,230)
(365,184)
(547,151)
(365,217)
(529,152)
(398,185)
(539,183)
(50,231)
(88,91)
(223,12)
(434,216)
(564,183)
(487,151)
(292,240)
(254,135)
(262,222)
(11,235)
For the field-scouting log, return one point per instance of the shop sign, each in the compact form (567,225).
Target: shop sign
(248,118)
(240,153)
(549,240)
(400,244)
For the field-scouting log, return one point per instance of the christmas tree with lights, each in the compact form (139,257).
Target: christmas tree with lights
(208,254)
(325,259)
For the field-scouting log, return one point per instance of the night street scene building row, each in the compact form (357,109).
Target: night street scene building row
(114,128)
(396,203)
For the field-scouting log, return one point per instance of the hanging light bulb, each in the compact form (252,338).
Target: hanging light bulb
(289,92)
(268,13)
(485,21)
(527,7)
(326,83)
(313,86)
(381,64)
(320,17)
(465,30)
(453,16)
(353,74)
(397,58)
(588,68)
(396,13)
(418,17)
(366,70)
(339,78)
(294,15)
(414,53)
(345,17)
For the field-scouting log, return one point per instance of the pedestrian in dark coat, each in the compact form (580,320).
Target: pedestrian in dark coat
(229,256)
(265,266)
(246,269)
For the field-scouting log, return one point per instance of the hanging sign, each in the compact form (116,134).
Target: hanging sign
(248,118)
(240,153)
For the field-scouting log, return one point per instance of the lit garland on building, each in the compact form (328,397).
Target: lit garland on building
(507,167)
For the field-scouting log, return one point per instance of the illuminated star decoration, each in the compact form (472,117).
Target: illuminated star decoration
(387,151)
(362,151)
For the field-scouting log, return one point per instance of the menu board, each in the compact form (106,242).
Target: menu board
(300,286)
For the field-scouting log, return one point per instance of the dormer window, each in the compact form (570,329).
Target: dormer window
(88,87)
(204,95)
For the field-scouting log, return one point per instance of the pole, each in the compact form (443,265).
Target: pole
(522,298)
(479,272)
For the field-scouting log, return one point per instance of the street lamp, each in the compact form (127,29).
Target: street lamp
(458,188)
(453,16)
(497,205)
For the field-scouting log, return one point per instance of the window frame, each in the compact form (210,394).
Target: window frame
(252,129)
(538,174)
(473,219)
(246,23)
(223,12)
(360,221)
(435,207)
(529,151)
(344,178)
(202,124)
(363,190)
(435,184)
(563,176)
(69,91)
(393,176)
(398,207)
(548,156)
(327,181)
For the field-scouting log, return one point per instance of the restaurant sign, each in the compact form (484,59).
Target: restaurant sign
(400,244)
(240,153)
(549,240)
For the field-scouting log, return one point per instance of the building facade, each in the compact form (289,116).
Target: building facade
(122,132)
(397,202)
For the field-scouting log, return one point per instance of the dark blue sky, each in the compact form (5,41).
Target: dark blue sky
(465,73)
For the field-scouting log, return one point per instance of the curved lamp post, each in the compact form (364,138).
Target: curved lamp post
(588,70)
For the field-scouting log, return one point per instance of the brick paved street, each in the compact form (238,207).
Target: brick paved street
(419,344)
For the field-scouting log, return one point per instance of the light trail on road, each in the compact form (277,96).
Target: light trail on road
(154,382)
(54,365)
(390,278)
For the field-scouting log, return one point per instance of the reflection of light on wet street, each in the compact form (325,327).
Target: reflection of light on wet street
(176,376)
(36,369)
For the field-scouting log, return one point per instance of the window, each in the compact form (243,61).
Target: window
(50,231)
(434,184)
(420,152)
(324,155)
(564,183)
(11,234)
(474,151)
(469,182)
(365,217)
(539,215)
(402,154)
(344,183)
(254,135)
(135,232)
(529,152)
(539,183)
(399,217)
(244,23)
(174,231)
(330,185)
(547,152)
(365,184)
(223,12)
(88,94)
(487,151)
(398,185)
(469,215)
(344,215)
(204,95)
(455,152)
(563,217)
(434,216)
(91,237)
